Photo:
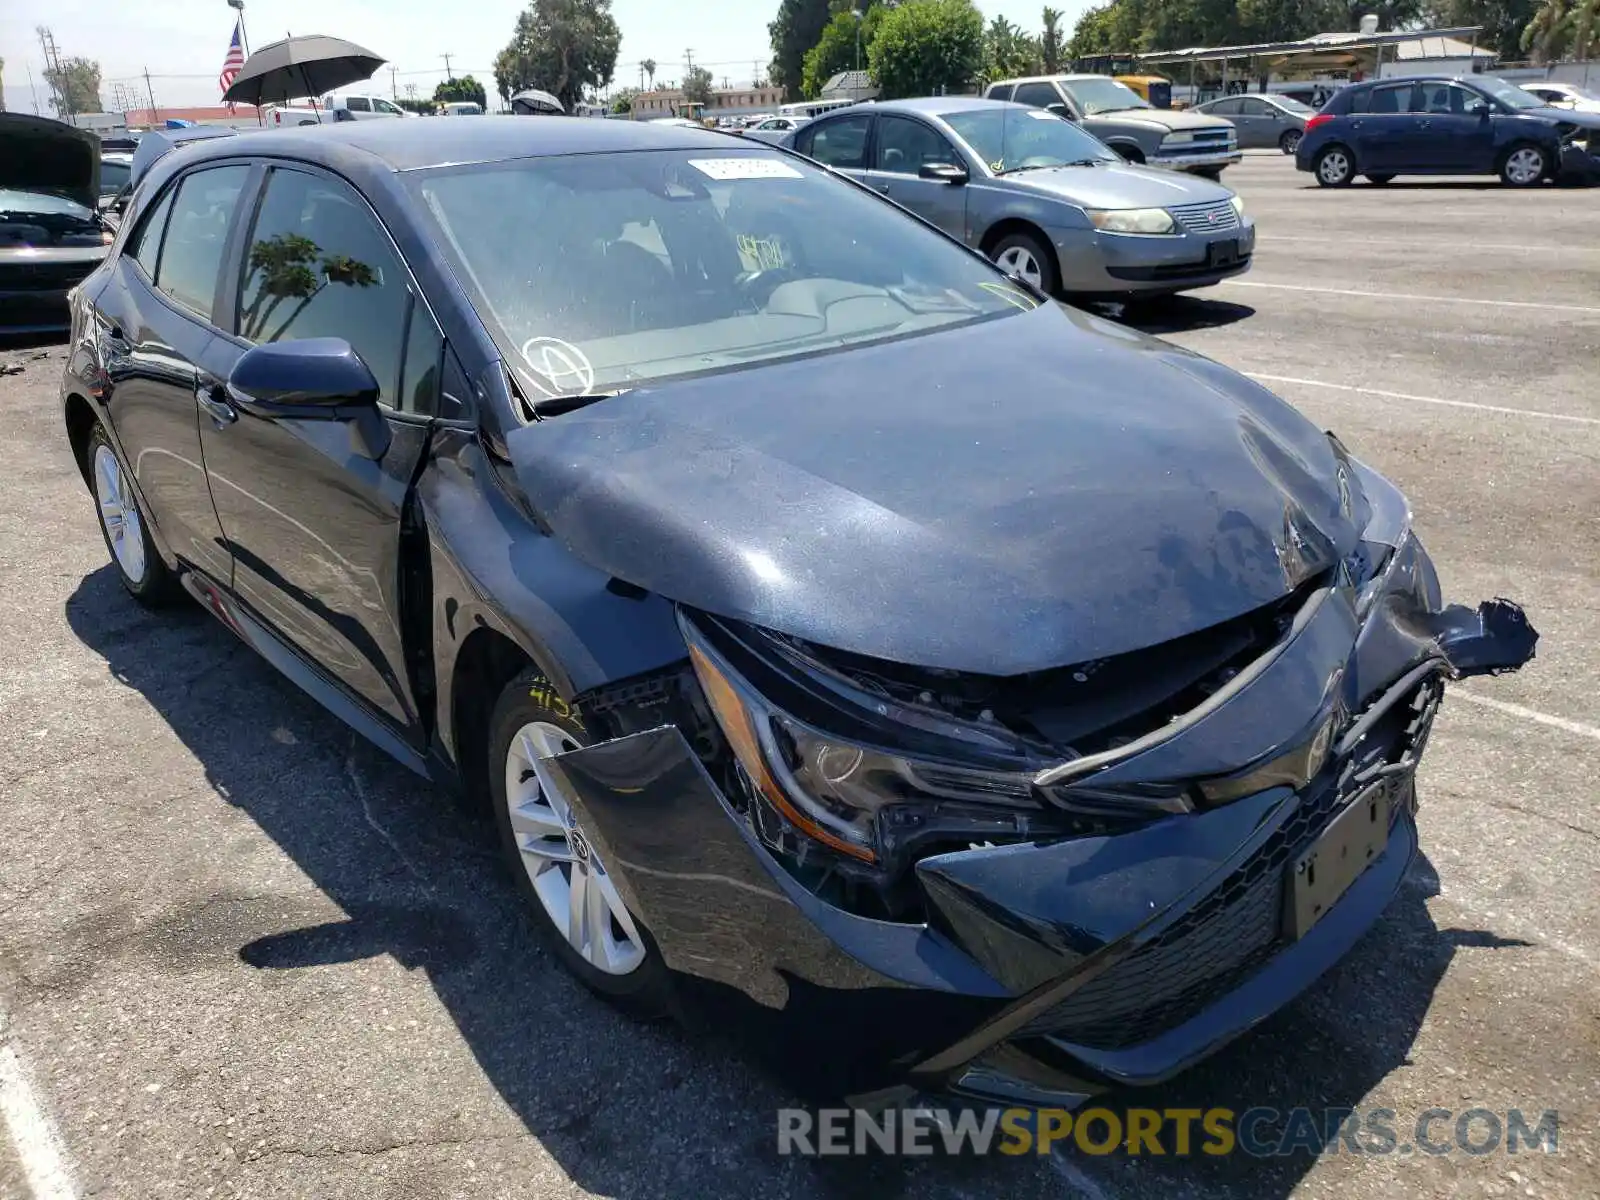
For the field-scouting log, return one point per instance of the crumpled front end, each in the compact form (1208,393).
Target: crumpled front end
(1037,888)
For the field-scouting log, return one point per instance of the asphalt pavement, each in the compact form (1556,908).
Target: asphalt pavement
(241,954)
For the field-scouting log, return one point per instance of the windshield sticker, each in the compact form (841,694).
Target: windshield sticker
(566,370)
(744,168)
(762,254)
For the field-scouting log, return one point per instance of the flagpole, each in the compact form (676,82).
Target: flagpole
(244,41)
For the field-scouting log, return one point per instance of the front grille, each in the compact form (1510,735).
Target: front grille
(1230,934)
(1213,217)
(26,276)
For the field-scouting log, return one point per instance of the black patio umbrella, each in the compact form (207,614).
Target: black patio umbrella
(300,66)
(533,103)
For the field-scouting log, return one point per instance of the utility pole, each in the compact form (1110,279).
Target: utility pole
(393,94)
(448,78)
(33,91)
(155,113)
(60,93)
(688,58)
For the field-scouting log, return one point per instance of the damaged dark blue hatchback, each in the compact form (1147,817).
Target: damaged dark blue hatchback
(831,623)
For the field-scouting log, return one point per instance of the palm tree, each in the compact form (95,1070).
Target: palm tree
(1050,43)
(649,68)
(1547,34)
(1583,23)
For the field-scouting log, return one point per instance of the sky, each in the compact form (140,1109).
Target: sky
(182,42)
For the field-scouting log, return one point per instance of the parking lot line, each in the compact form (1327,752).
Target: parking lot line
(33,1134)
(1328,291)
(1563,249)
(1529,714)
(1494,408)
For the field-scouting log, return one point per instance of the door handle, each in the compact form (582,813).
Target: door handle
(213,397)
(881,187)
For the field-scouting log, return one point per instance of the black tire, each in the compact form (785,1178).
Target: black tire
(1049,274)
(155,586)
(1335,166)
(1380,180)
(1515,165)
(1290,142)
(1212,173)
(643,992)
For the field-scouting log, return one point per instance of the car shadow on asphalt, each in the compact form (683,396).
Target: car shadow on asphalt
(1176,314)
(629,1108)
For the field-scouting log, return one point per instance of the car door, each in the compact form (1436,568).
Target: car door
(1452,136)
(1228,109)
(1259,123)
(314,520)
(1387,133)
(838,142)
(902,145)
(153,326)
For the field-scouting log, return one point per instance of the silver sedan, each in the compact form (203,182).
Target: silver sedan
(1039,195)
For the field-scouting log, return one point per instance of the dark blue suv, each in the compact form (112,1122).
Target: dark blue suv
(1439,125)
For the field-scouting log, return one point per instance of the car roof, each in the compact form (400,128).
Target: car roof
(938,106)
(412,145)
(1062,78)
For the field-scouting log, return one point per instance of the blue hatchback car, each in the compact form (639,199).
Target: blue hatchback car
(1440,125)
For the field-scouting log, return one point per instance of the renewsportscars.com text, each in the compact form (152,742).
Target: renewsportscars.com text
(1150,1132)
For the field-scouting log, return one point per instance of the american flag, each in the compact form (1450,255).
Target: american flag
(231,64)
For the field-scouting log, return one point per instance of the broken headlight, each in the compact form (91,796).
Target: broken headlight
(1387,530)
(859,801)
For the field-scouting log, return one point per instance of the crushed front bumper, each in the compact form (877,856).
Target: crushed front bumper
(1051,970)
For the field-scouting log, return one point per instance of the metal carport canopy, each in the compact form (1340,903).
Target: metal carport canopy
(1320,44)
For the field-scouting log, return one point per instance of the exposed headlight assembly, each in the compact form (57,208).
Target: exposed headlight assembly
(1131,220)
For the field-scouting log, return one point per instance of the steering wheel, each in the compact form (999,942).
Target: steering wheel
(757,286)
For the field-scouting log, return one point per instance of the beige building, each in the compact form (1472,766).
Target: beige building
(666,101)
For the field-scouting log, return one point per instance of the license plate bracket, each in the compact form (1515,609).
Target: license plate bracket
(1224,253)
(1321,873)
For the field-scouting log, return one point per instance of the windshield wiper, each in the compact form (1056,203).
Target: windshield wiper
(555,406)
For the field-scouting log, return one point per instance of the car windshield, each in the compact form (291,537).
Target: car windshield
(602,271)
(1014,138)
(1507,93)
(1102,95)
(113,175)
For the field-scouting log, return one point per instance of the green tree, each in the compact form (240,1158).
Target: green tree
(697,85)
(1561,28)
(1503,21)
(75,86)
(464,88)
(1008,52)
(562,47)
(796,29)
(924,47)
(835,51)
(622,102)
(648,66)
(1050,42)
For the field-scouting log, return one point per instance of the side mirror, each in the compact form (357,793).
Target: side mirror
(314,379)
(943,173)
(1061,110)
(1481,109)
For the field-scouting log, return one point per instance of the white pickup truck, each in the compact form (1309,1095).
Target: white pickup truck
(336,108)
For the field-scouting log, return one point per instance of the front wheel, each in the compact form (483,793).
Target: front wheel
(1524,166)
(1334,167)
(570,889)
(1025,256)
(1290,142)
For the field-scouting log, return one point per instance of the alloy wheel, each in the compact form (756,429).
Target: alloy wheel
(119,513)
(1291,142)
(1525,166)
(572,883)
(1334,166)
(1019,261)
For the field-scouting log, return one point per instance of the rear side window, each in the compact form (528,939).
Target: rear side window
(146,244)
(1000,91)
(842,143)
(1224,108)
(320,265)
(1040,95)
(358,104)
(197,235)
(1396,99)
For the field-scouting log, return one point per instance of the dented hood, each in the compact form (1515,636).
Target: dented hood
(1017,494)
(41,155)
